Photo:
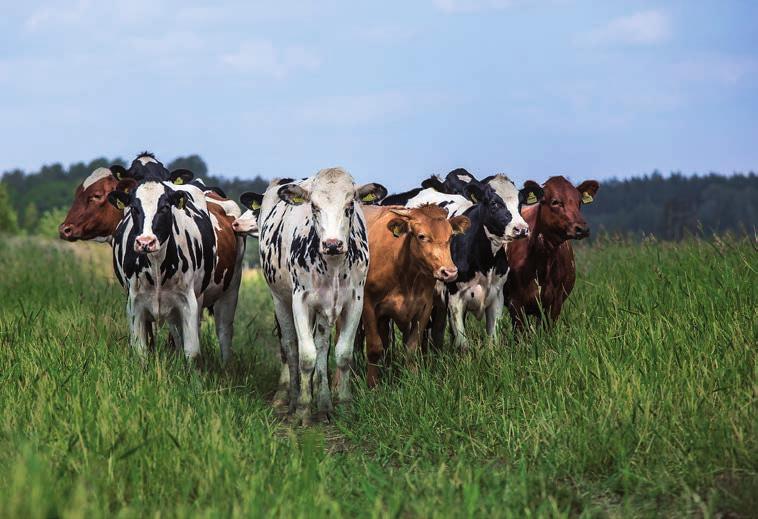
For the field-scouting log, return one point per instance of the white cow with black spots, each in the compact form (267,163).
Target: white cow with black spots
(314,255)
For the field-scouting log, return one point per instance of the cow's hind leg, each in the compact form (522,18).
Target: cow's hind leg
(223,314)
(493,314)
(457,316)
(190,319)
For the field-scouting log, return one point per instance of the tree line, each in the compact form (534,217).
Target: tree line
(669,207)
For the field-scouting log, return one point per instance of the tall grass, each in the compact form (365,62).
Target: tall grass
(641,401)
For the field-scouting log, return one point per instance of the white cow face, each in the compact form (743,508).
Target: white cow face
(517,228)
(247,223)
(332,196)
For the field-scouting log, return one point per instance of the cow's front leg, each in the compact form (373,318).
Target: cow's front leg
(350,319)
(321,334)
(287,393)
(190,319)
(456,312)
(302,314)
(139,328)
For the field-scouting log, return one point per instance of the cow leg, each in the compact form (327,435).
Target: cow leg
(439,320)
(223,314)
(303,317)
(287,393)
(139,328)
(493,314)
(350,319)
(190,326)
(321,337)
(174,335)
(457,316)
(374,344)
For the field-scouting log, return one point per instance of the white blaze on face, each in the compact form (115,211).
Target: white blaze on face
(98,174)
(149,194)
(331,191)
(506,189)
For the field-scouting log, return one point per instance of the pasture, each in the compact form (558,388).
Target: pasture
(642,401)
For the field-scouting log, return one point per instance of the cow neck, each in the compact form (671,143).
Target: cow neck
(411,271)
(473,251)
(541,241)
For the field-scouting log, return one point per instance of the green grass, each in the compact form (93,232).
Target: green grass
(642,401)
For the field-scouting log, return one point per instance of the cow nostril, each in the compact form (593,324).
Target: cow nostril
(333,246)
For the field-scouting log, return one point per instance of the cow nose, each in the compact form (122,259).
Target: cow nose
(65,231)
(447,274)
(522,232)
(235,226)
(332,246)
(581,231)
(146,244)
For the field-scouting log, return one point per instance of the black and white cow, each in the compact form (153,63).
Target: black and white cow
(493,207)
(314,255)
(164,254)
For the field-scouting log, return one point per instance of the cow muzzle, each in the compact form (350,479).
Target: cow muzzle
(145,244)
(580,232)
(446,274)
(66,232)
(333,247)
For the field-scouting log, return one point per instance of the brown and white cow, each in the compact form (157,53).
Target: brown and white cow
(411,252)
(542,267)
(91,217)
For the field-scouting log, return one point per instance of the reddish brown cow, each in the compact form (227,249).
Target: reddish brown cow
(542,267)
(410,251)
(91,216)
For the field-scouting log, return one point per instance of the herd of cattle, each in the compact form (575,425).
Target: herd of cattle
(333,254)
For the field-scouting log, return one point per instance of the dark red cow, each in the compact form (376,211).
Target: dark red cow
(542,271)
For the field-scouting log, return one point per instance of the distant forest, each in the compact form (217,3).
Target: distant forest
(669,207)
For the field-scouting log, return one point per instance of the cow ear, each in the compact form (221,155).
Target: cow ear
(179,199)
(119,199)
(371,193)
(119,172)
(126,185)
(460,224)
(293,194)
(398,226)
(531,193)
(588,190)
(181,176)
(474,192)
(251,200)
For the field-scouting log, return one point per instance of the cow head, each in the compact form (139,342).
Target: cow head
(429,232)
(151,205)
(560,209)
(454,184)
(332,196)
(513,199)
(247,223)
(91,216)
(495,217)
(144,167)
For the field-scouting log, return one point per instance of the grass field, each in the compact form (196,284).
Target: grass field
(642,401)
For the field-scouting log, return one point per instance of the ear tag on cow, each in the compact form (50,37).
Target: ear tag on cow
(182,202)
(473,198)
(119,204)
(255,205)
(178,181)
(532,198)
(397,231)
(587,198)
(369,197)
(297,200)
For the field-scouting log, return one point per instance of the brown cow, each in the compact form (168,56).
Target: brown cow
(91,216)
(410,251)
(542,267)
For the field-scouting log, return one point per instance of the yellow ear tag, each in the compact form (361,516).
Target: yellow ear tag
(587,198)
(182,202)
(473,199)
(178,181)
(298,200)
(532,198)
(255,205)
(370,197)
(397,231)
(120,205)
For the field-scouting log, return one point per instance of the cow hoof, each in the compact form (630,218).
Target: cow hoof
(324,417)
(302,417)
(281,399)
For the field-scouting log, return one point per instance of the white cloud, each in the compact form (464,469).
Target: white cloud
(642,28)
(262,58)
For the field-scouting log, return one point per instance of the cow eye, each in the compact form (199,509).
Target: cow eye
(555,203)
(422,237)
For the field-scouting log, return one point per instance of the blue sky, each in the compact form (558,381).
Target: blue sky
(393,91)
